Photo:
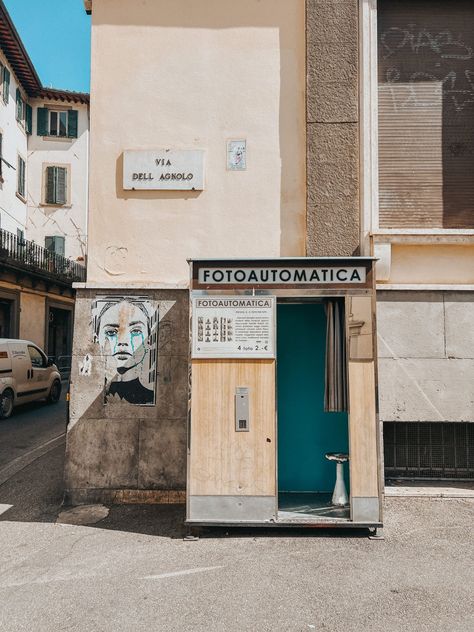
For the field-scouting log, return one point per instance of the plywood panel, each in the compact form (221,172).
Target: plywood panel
(363,430)
(223,461)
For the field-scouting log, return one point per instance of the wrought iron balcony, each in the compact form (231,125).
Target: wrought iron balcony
(23,255)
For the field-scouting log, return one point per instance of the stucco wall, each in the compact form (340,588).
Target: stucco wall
(32,318)
(13,210)
(426,356)
(69,221)
(333,220)
(193,75)
(118,445)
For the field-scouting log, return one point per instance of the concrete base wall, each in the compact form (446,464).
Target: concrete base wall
(114,445)
(426,356)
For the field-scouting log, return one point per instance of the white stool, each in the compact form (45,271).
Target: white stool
(339,497)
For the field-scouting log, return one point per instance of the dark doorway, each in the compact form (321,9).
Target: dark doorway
(9,312)
(5,318)
(60,337)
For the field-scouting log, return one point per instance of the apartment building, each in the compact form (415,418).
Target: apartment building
(44,144)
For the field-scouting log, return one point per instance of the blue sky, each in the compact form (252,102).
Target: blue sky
(56,34)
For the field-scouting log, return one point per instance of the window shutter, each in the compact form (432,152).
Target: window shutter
(19,115)
(61,181)
(72,124)
(50,185)
(42,122)
(55,244)
(29,119)
(426,114)
(59,245)
(6,85)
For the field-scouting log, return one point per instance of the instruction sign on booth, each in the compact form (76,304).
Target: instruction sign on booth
(234,327)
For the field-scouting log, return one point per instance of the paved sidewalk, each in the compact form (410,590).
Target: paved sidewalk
(132,571)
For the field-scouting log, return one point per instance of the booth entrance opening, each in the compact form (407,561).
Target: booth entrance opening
(306,433)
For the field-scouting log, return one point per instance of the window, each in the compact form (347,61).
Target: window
(38,360)
(1,157)
(24,113)
(20,107)
(426,114)
(55,244)
(21,186)
(56,185)
(5,78)
(59,123)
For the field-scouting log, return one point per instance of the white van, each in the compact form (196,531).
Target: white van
(26,375)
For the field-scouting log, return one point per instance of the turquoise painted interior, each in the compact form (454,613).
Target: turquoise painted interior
(305,431)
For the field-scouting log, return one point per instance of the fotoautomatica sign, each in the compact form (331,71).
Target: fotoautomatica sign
(282,275)
(234,327)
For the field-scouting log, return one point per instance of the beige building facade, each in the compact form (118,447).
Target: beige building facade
(273,103)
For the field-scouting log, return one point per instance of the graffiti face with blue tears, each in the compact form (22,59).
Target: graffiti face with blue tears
(125,329)
(123,335)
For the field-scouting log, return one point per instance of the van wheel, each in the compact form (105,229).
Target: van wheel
(6,404)
(54,392)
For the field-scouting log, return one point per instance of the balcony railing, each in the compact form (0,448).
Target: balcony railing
(26,255)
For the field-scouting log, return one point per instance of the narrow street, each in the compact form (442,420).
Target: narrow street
(31,461)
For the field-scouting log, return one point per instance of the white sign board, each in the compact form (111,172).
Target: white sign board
(234,327)
(164,170)
(281,276)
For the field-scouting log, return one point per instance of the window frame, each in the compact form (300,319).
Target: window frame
(21,166)
(369,144)
(44,188)
(21,115)
(58,112)
(54,237)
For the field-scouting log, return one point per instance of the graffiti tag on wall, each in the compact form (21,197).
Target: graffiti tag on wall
(126,330)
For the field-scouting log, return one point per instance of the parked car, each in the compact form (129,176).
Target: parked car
(26,375)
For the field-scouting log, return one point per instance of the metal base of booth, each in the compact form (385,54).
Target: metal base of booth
(306,510)
(302,523)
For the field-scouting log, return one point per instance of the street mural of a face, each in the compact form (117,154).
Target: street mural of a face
(126,327)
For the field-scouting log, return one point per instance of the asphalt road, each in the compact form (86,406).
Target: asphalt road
(132,571)
(31,460)
(31,425)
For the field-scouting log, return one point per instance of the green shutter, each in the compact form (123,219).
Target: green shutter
(29,119)
(50,185)
(59,245)
(56,185)
(21,189)
(72,124)
(42,127)
(61,179)
(55,244)
(6,85)
(19,100)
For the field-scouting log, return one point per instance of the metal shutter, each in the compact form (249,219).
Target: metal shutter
(426,113)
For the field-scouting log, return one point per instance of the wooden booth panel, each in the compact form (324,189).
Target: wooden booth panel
(363,430)
(223,461)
